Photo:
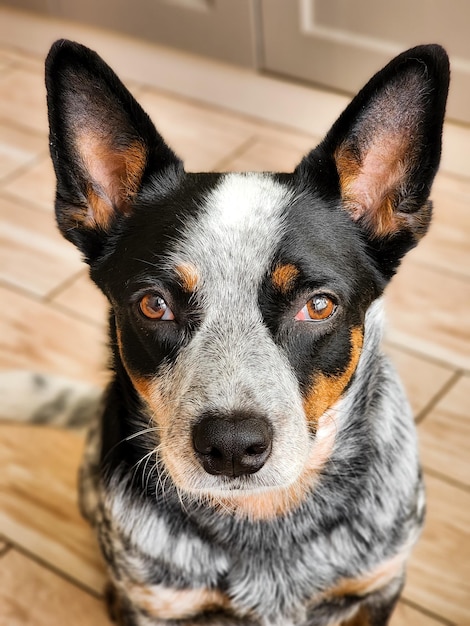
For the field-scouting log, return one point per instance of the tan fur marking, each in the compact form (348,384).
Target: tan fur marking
(283,277)
(188,275)
(361,618)
(363,585)
(377,579)
(370,188)
(326,390)
(145,386)
(150,394)
(99,213)
(115,175)
(166,603)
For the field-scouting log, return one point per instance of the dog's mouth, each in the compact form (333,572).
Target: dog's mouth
(261,495)
(278,486)
(243,485)
(200,478)
(250,498)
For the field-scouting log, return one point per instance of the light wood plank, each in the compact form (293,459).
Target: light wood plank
(38,500)
(439,570)
(23,98)
(445,434)
(422,379)
(33,254)
(269,153)
(428,312)
(15,56)
(405,615)
(447,244)
(3,546)
(5,59)
(453,184)
(36,185)
(201,136)
(82,297)
(30,595)
(455,149)
(17,148)
(34,336)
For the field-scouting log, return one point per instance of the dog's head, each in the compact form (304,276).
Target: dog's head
(238,300)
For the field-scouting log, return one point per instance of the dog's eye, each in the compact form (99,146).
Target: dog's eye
(317,309)
(154,307)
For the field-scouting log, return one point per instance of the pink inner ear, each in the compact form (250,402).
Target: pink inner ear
(370,188)
(114,175)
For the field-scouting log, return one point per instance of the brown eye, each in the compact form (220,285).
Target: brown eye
(317,309)
(154,307)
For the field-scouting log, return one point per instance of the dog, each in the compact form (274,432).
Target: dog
(253,461)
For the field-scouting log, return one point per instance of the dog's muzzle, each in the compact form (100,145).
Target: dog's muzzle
(232,445)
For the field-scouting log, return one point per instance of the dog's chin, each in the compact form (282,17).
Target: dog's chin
(202,484)
(226,488)
(248,499)
(253,497)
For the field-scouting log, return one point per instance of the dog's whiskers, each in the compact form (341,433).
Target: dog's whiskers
(140,433)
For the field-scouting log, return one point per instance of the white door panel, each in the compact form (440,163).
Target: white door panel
(341,43)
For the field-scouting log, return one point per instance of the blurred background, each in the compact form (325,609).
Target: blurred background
(231,85)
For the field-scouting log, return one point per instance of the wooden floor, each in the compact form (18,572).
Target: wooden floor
(52,319)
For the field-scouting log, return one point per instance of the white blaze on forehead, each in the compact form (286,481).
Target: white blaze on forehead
(238,231)
(241,198)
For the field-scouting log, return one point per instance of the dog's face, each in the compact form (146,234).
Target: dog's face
(239,299)
(239,324)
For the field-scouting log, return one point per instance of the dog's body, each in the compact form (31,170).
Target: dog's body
(254,461)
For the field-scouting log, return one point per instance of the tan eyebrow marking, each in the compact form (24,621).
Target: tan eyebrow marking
(284,276)
(188,275)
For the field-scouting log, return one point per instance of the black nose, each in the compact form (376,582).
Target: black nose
(233,445)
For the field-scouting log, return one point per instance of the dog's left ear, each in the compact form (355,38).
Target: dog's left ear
(103,145)
(385,149)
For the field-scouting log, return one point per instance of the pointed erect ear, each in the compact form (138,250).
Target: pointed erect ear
(103,145)
(386,146)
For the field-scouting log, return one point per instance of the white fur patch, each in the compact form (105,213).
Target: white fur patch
(144,529)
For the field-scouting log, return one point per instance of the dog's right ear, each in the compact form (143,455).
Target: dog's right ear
(103,145)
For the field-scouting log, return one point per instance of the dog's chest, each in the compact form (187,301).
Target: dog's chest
(263,574)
